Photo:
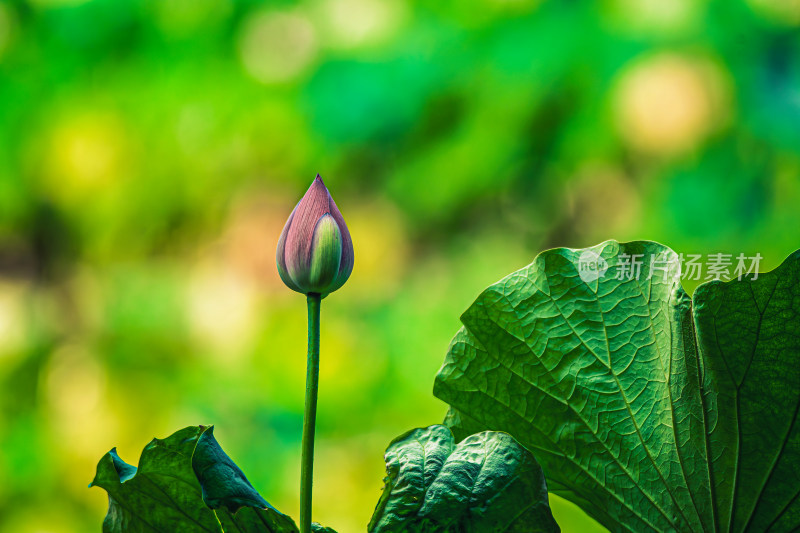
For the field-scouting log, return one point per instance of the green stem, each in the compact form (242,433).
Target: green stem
(310,418)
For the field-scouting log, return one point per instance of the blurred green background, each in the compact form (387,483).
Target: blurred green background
(151,151)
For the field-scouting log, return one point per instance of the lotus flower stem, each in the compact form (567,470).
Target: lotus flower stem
(315,258)
(310,417)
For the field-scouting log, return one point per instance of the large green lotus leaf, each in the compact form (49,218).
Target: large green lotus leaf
(487,483)
(650,410)
(185,483)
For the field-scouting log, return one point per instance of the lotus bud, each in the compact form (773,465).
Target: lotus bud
(315,252)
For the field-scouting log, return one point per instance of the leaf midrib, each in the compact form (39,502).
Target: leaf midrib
(624,401)
(563,454)
(669,393)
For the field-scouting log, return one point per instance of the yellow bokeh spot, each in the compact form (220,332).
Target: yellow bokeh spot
(352,23)
(221,308)
(347,479)
(74,385)
(648,16)
(277,46)
(348,473)
(668,104)
(55,518)
(13,321)
(350,359)
(74,381)
(86,156)
(381,249)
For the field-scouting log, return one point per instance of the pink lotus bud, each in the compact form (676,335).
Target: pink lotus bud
(315,252)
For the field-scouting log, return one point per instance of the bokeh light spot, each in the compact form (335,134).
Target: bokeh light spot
(647,17)
(352,23)
(74,381)
(13,324)
(86,156)
(277,46)
(382,252)
(221,311)
(667,104)
(74,384)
